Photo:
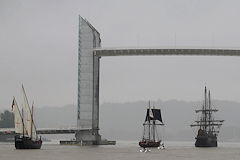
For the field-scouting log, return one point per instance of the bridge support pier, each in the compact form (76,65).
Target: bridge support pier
(88,137)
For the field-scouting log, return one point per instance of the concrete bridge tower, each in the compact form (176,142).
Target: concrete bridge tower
(88,84)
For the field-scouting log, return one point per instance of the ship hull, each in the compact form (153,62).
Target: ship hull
(206,141)
(149,144)
(22,142)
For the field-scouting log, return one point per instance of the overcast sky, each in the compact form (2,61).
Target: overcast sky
(39,48)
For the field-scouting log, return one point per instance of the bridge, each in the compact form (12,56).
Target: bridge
(89,55)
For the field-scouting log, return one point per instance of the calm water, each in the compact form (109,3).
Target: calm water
(123,150)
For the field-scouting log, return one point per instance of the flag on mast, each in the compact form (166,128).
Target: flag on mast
(12,104)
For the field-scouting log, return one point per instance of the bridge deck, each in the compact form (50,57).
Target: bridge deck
(166,51)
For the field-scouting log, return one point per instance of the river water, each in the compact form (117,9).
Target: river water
(123,150)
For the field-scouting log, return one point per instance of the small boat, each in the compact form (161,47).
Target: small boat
(150,136)
(208,127)
(26,135)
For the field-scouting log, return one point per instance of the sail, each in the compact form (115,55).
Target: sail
(31,130)
(150,111)
(18,121)
(156,115)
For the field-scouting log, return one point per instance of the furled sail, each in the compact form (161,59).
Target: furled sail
(18,120)
(156,115)
(31,130)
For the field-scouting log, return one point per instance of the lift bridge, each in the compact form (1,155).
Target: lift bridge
(89,54)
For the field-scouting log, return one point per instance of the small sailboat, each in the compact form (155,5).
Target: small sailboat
(26,135)
(208,126)
(150,135)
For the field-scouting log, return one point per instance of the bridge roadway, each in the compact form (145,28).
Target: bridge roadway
(4,131)
(101,52)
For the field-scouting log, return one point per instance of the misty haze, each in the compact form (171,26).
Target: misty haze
(45,46)
(123,121)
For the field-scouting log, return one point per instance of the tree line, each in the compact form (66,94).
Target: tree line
(7,119)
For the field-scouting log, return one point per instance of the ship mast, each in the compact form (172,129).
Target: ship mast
(205,110)
(23,121)
(32,122)
(149,120)
(206,122)
(153,127)
(209,113)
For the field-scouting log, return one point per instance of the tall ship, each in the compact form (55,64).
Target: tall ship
(25,129)
(208,127)
(150,136)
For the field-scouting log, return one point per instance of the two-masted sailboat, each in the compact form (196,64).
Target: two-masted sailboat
(26,135)
(208,126)
(150,136)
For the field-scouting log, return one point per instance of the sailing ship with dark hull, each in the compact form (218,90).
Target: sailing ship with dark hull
(26,135)
(150,134)
(208,127)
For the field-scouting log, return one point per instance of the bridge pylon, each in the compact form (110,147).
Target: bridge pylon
(88,85)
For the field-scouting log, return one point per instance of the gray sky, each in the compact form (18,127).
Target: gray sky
(39,47)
